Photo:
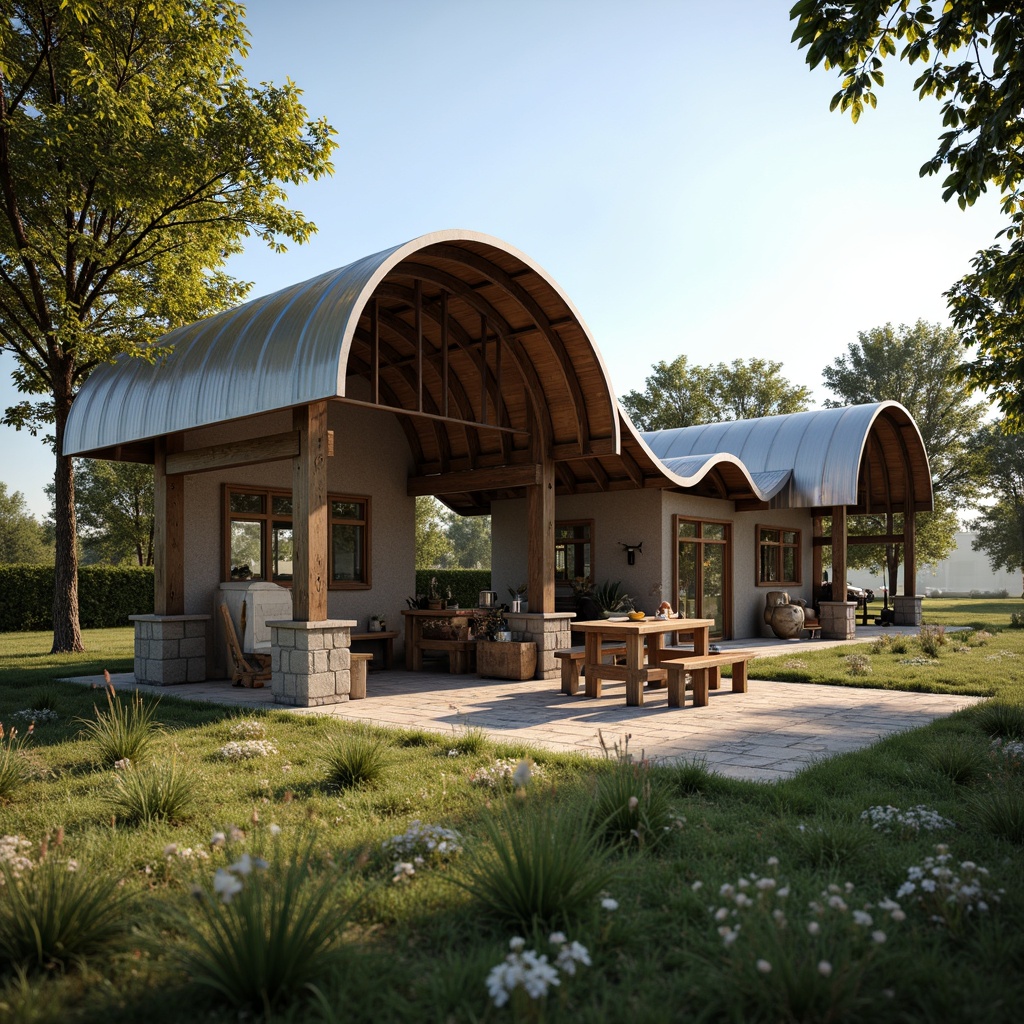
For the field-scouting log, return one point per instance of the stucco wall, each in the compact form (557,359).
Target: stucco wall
(371,457)
(645,516)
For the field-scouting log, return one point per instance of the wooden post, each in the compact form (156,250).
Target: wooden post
(909,552)
(816,567)
(839,553)
(540,537)
(309,514)
(168,532)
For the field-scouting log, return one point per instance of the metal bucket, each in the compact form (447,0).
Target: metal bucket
(488,599)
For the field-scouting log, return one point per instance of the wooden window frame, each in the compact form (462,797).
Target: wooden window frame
(590,540)
(266,517)
(780,546)
(727,543)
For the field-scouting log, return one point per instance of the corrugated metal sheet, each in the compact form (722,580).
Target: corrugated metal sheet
(819,452)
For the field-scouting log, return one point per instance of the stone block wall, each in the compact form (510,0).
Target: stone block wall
(550,632)
(838,620)
(310,662)
(170,649)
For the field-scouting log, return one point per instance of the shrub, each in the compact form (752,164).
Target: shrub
(123,731)
(959,759)
(541,866)
(154,793)
(354,758)
(265,932)
(857,665)
(632,808)
(931,639)
(1000,811)
(899,644)
(58,913)
(465,584)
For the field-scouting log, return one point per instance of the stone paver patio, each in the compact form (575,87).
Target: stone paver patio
(768,733)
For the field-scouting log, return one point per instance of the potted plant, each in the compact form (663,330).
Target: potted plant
(518,595)
(610,600)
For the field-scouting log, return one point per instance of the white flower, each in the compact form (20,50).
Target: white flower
(633,803)
(218,839)
(226,884)
(516,943)
(722,914)
(764,967)
(243,866)
(862,918)
(697,886)
(572,954)
(813,928)
(729,935)
(824,968)
(773,862)
(878,936)
(521,776)
(609,904)
(275,830)
(557,939)
(402,870)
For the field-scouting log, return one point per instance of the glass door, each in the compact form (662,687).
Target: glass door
(703,562)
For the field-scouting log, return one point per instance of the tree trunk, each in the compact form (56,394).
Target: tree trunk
(67,633)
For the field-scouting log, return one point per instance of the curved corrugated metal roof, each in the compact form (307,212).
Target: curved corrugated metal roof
(303,343)
(821,454)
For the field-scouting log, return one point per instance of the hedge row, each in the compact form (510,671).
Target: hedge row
(107,595)
(465,584)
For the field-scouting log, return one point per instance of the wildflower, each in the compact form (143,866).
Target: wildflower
(609,904)
(170,850)
(557,939)
(570,955)
(878,936)
(813,928)
(123,765)
(226,884)
(862,918)
(764,967)
(722,914)
(729,935)
(218,839)
(521,776)
(697,886)
(402,870)
(516,943)
(773,862)
(633,803)
(824,968)
(275,830)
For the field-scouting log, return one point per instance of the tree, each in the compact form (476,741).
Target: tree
(918,367)
(114,502)
(680,395)
(433,548)
(22,538)
(470,537)
(1000,527)
(134,160)
(971,55)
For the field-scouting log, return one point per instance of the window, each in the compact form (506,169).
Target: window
(259,541)
(778,556)
(703,570)
(574,541)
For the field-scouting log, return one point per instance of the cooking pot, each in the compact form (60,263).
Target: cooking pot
(488,599)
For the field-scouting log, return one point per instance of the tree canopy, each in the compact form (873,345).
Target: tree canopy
(134,160)
(678,394)
(445,540)
(1000,526)
(971,59)
(917,367)
(22,537)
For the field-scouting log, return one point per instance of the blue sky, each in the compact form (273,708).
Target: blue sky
(673,165)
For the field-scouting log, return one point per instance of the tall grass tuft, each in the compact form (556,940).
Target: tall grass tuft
(832,844)
(266,943)
(693,775)
(125,731)
(960,759)
(632,807)
(472,741)
(998,719)
(162,792)
(354,759)
(14,769)
(58,913)
(1000,811)
(542,865)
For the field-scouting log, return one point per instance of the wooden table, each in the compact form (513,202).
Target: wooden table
(633,634)
(386,637)
(415,643)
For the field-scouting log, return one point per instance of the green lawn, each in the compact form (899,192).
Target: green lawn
(421,949)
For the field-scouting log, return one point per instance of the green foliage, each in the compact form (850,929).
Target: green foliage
(22,538)
(446,540)
(961,759)
(125,731)
(267,944)
(633,807)
(999,810)
(970,59)
(680,395)
(159,792)
(358,758)
(433,548)
(465,584)
(58,913)
(470,741)
(107,595)
(832,843)
(609,597)
(931,640)
(541,865)
(1000,524)
(14,769)
(1002,720)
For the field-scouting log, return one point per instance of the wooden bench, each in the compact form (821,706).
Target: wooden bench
(700,666)
(358,664)
(461,654)
(572,659)
(384,637)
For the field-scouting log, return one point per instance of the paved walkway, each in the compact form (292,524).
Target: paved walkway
(768,733)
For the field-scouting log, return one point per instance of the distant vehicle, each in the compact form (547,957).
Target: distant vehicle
(858,593)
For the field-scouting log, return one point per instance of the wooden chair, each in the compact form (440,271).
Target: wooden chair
(242,673)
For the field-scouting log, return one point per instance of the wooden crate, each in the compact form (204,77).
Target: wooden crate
(506,659)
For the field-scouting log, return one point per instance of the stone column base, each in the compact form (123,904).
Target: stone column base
(170,649)
(838,620)
(906,610)
(549,631)
(310,663)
